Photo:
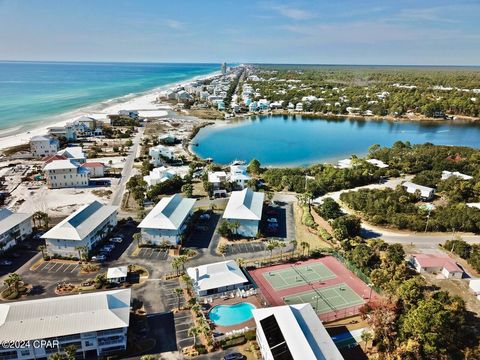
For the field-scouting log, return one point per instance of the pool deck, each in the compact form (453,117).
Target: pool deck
(254,300)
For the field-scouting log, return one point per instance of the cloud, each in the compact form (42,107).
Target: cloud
(174,24)
(291,12)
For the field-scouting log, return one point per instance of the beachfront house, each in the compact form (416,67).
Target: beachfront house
(293,332)
(299,107)
(238,175)
(425,192)
(245,208)
(86,227)
(378,163)
(65,173)
(67,131)
(159,175)
(73,153)
(41,146)
(167,139)
(436,263)
(216,178)
(167,221)
(14,228)
(217,278)
(96,323)
(447,174)
(159,153)
(132,114)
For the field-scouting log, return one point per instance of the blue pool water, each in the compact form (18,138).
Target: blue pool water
(296,141)
(229,315)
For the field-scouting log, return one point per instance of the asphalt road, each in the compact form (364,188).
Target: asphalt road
(127,169)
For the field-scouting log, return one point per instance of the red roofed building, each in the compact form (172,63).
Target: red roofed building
(97,169)
(432,263)
(51,158)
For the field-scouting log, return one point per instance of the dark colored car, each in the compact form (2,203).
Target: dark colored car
(233,356)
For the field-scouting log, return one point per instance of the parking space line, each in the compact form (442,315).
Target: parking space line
(68,266)
(50,269)
(41,267)
(74,268)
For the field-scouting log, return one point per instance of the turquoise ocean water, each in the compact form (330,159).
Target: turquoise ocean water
(36,92)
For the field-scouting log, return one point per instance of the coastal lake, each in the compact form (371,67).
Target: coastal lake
(293,140)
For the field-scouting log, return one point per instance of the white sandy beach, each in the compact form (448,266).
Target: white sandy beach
(145,101)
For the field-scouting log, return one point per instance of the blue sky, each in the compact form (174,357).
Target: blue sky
(316,31)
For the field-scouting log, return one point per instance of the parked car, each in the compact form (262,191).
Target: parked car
(205,217)
(6,262)
(116,239)
(99,258)
(233,356)
(109,246)
(272,220)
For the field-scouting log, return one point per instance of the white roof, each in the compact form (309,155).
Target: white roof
(9,219)
(303,332)
(216,275)
(214,176)
(40,138)
(169,213)
(74,152)
(475,285)
(244,205)
(62,165)
(412,187)
(64,315)
(345,163)
(446,174)
(81,223)
(117,272)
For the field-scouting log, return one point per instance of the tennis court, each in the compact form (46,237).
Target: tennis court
(297,275)
(327,299)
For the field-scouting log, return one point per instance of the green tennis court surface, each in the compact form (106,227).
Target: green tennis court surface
(327,299)
(298,275)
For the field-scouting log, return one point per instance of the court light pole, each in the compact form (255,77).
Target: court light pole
(370,296)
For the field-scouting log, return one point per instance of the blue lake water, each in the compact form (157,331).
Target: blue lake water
(296,141)
(37,91)
(229,315)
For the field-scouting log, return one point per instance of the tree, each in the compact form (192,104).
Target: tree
(366,336)
(224,229)
(138,238)
(42,249)
(179,294)
(13,280)
(282,246)
(70,351)
(294,246)
(395,254)
(382,318)
(254,167)
(304,245)
(271,245)
(187,190)
(55,356)
(82,252)
(234,226)
(194,331)
(329,209)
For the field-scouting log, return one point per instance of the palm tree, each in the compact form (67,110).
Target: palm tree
(55,356)
(194,331)
(42,248)
(70,351)
(138,238)
(82,252)
(178,293)
(282,246)
(303,245)
(196,308)
(366,337)
(234,226)
(175,265)
(182,259)
(271,245)
(294,244)
(240,262)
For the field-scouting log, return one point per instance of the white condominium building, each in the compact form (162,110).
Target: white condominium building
(65,173)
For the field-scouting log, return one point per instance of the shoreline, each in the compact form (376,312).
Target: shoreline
(21,134)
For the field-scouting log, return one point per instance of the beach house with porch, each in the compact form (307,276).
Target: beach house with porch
(245,207)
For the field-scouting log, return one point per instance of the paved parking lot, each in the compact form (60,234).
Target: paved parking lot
(153,254)
(244,248)
(203,233)
(57,267)
(170,300)
(183,321)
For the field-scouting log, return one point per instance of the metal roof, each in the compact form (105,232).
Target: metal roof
(169,213)
(64,315)
(216,275)
(62,164)
(297,329)
(81,223)
(244,205)
(9,219)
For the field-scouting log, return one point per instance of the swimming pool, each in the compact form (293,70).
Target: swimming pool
(229,315)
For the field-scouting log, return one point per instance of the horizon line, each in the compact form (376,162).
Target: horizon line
(219,63)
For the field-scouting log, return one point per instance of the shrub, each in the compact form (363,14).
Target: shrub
(233,342)
(250,335)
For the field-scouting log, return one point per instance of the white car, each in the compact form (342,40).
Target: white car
(272,220)
(116,239)
(99,258)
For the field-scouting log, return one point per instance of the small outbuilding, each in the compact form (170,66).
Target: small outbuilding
(117,274)
(436,263)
